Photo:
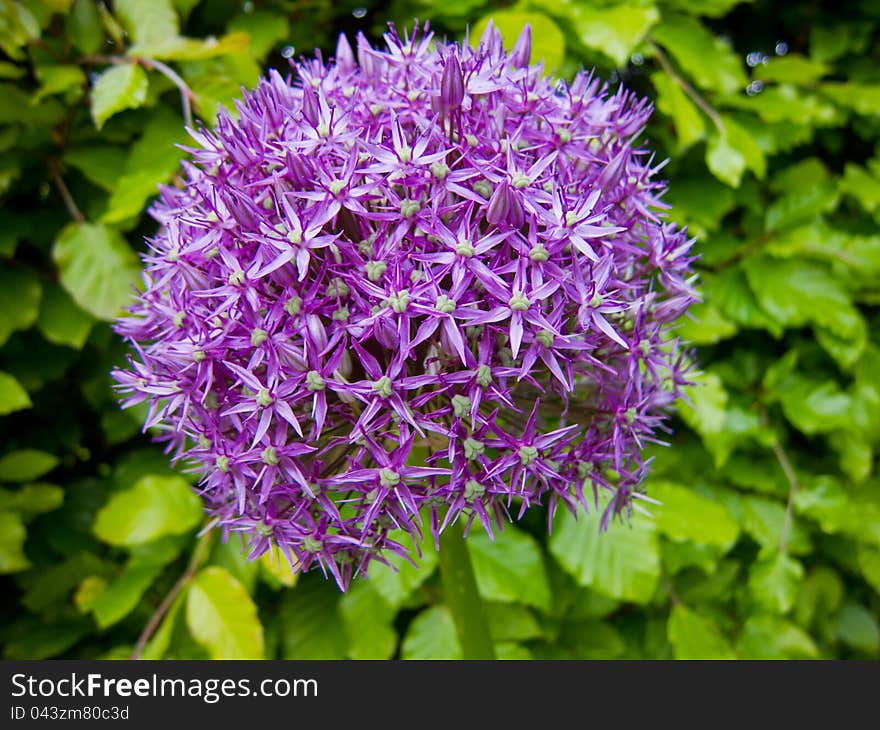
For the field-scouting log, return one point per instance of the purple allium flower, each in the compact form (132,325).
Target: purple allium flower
(424,280)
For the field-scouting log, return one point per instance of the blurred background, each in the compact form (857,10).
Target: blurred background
(767,542)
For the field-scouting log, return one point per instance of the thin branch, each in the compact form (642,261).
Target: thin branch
(707,108)
(69,203)
(151,64)
(198,555)
(793,485)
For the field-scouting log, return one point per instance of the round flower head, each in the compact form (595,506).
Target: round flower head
(421,281)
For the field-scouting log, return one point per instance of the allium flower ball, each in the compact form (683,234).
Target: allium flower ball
(421,281)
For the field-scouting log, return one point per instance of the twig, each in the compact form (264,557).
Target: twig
(198,555)
(151,64)
(793,485)
(64,192)
(707,108)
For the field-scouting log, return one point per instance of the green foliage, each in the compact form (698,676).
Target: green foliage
(766,541)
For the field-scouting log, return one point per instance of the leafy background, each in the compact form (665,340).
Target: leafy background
(767,543)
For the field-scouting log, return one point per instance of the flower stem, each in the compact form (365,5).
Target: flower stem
(460,589)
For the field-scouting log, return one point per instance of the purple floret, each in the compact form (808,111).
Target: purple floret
(427,280)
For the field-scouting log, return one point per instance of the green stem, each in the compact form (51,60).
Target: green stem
(460,589)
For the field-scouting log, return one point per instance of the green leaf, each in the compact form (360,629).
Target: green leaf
(771,637)
(548,43)
(431,635)
(674,103)
(704,324)
(510,622)
(623,562)
(152,160)
(764,520)
(123,593)
(32,499)
(820,595)
(614,30)
(154,507)
(860,98)
(395,583)
(266,29)
(26,464)
(696,637)
(685,515)
(120,87)
(19,300)
(800,292)
(368,623)
(12,537)
(222,617)
(707,59)
(730,292)
(791,69)
(774,582)
(84,28)
(61,321)
(32,639)
(857,627)
(177,48)
(312,627)
(96,267)
(510,568)
(730,153)
(158,646)
(869,562)
(60,79)
(101,164)
(148,22)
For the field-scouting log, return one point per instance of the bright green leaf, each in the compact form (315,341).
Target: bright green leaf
(25,465)
(685,515)
(312,626)
(510,568)
(154,507)
(548,43)
(12,396)
(696,637)
(431,635)
(222,617)
(96,267)
(774,582)
(623,562)
(120,87)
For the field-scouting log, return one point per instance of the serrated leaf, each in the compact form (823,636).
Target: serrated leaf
(154,507)
(431,635)
(19,300)
(685,515)
(774,582)
(771,637)
(12,396)
(696,637)
(96,267)
(510,568)
(120,87)
(623,562)
(61,321)
(25,465)
(222,617)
